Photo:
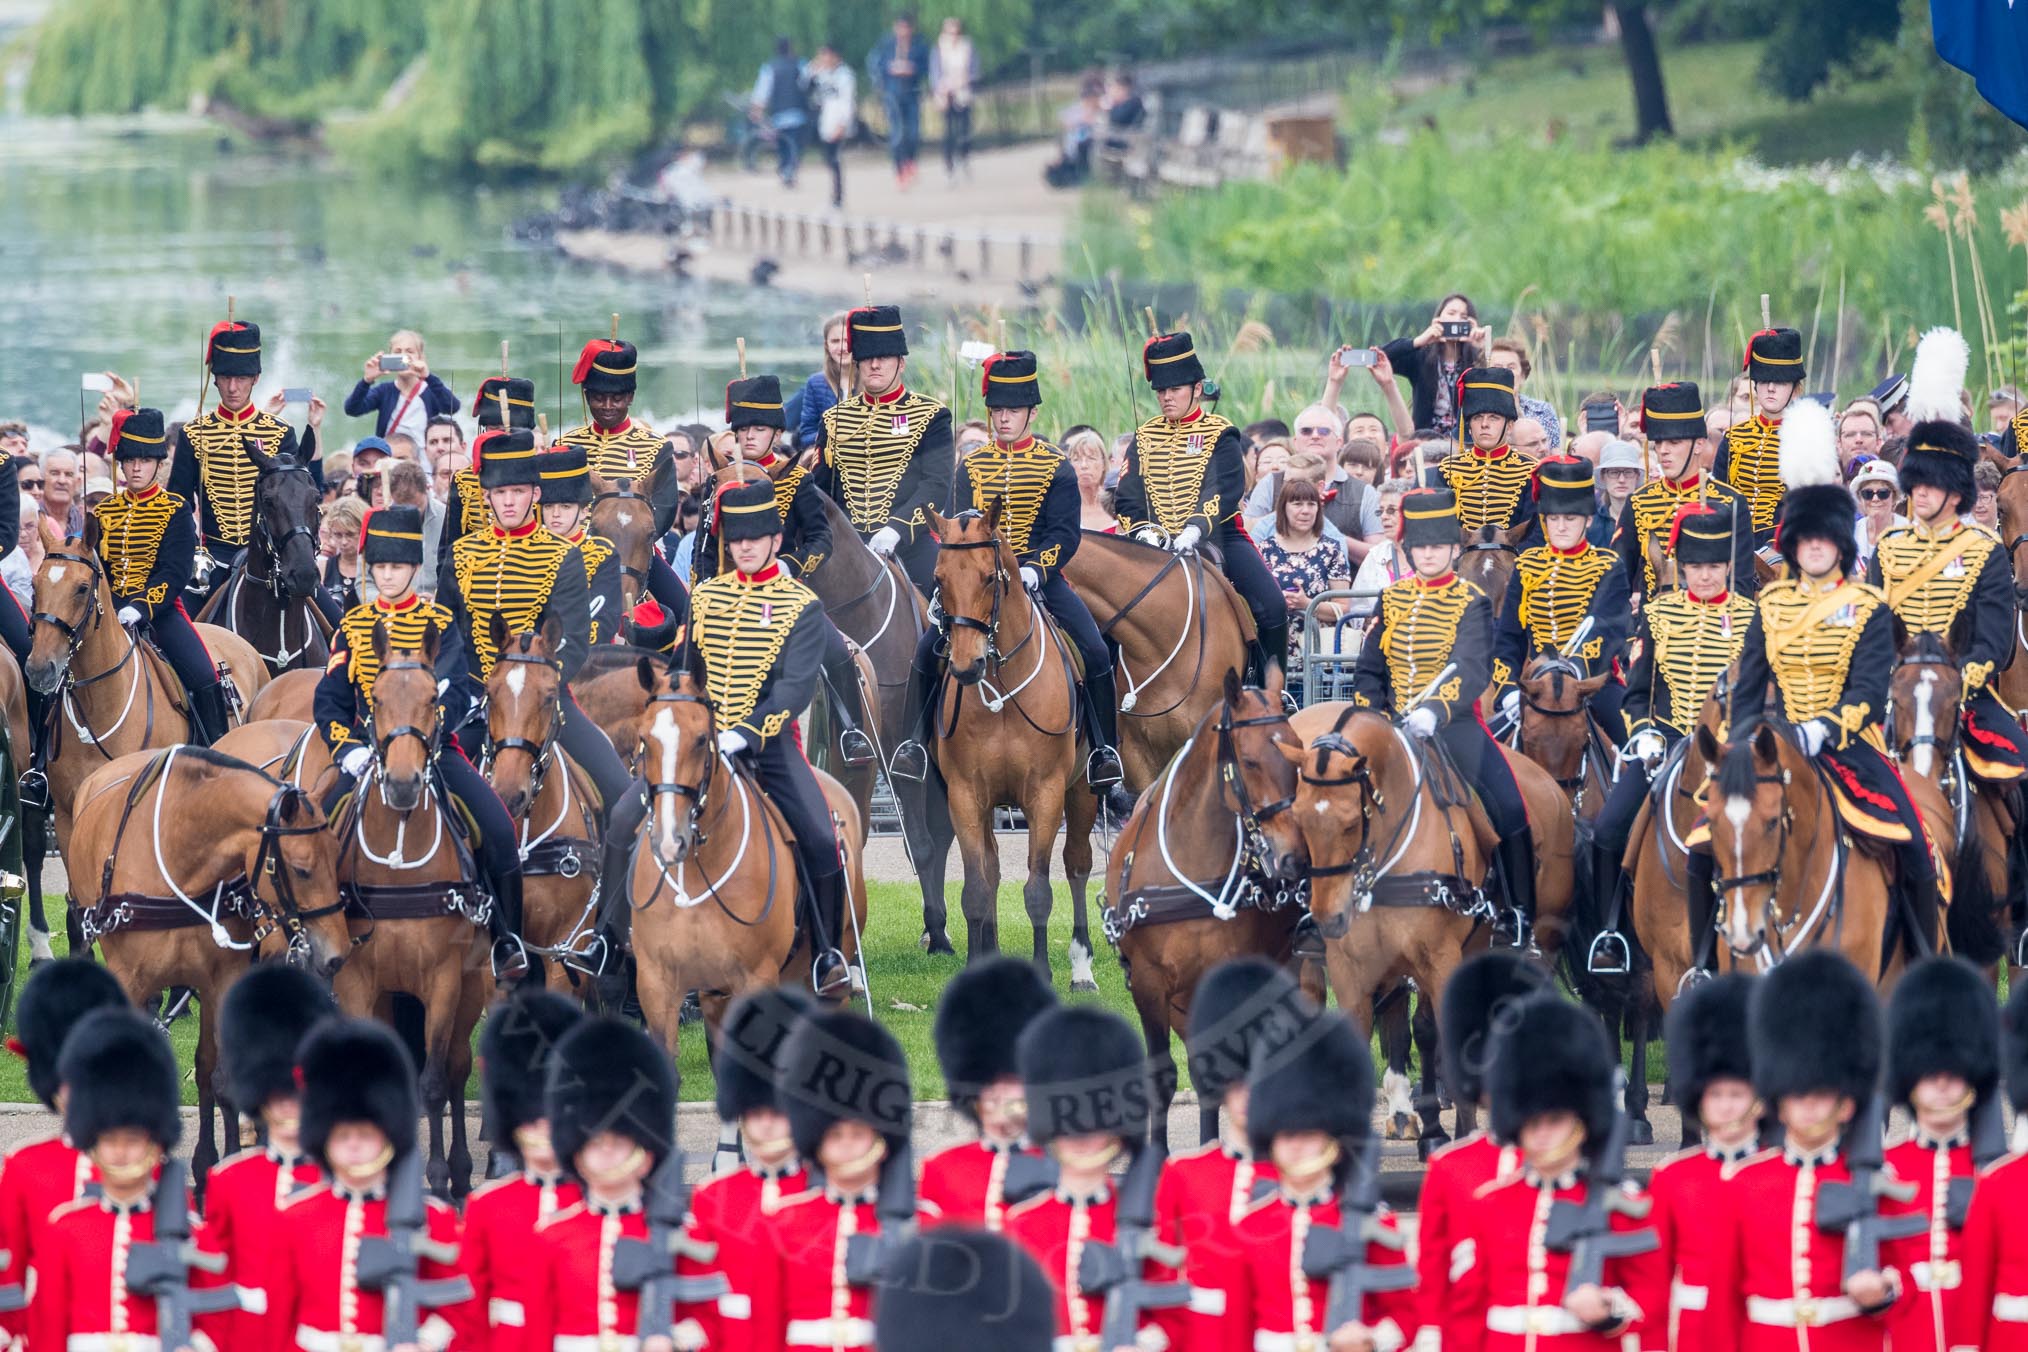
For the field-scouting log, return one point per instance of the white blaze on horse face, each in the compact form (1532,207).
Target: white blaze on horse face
(1738,811)
(517,677)
(1925,722)
(668,737)
(56,573)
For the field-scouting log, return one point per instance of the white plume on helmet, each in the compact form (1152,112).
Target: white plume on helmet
(1936,384)
(1809,446)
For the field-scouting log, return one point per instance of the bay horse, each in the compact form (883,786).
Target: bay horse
(413,898)
(198,864)
(1004,731)
(1656,858)
(287,748)
(112,694)
(289,695)
(714,886)
(634,515)
(1209,867)
(267,599)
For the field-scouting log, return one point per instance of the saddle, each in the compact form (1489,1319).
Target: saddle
(179,698)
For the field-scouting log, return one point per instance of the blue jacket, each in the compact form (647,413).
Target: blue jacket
(898,87)
(817,396)
(381,398)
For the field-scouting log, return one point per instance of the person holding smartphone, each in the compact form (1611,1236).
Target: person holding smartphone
(1454,342)
(406,403)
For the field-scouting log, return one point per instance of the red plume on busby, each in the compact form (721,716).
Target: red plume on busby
(588,357)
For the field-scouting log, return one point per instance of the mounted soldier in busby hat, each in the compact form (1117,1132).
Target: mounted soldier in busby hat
(566,513)
(1749,456)
(980,1018)
(1037,492)
(1184,486)
(1491,479)
(502,401)
(886,450)
(967,1289)
(616,445)
(1672,416)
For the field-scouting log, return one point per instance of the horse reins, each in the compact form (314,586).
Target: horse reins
(699,796)
(74,635)
(989,629)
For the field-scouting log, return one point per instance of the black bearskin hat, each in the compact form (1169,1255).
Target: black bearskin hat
(1941,450)
(876,331)
(840,1066)
(1942,454)
(57,995)
(965,1288)
(1240,1006)
(139,434)
(263,1021)
(1673,412)
(1813,1023)
(566,475)
(755,401)
(506,458)
(1942,1020)
(514,1051)
(1487,389)
(1479,998)
(1085,1071)
(1775,355)
(1552,1056)
(608,1075)
(1819,512)
(356,1070)
(750,1048)
(1706,1037)
(121,1072)
(746,511)
(392,535)
(606,366)
(979,1020)
(1322,1080)
(1008,381)
(1429,516)
(233,349)
(1170,359)
(520,396)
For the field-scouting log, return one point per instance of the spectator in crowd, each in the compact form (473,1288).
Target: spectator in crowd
(1305,560)
(1254,434)
(118,394)
(28,478)
(834,92)
(368,454)
(18,568)
(1318,430)
(1716,421)
(337,474)
(1876,487)
(1336,370)
(1858,434)
(833,383)
(1270,460)
(1386,562)
(402,446)
(403,484)
(13,439)
(340,531)
(779,104)
(683,455)
(1125,110)
(1590,445)
(1363,426)
(1348,504)
(1622,466)
(1512,354)
(62,513)
(408,402)
(1528,437)
(1081,123)
(898,64)
(1894,445)
(444,445)
(1086,451)
(1739,396)
(2002,407)
(1362,461)
(970,436)
(1454,342)
(953,70)
(1986,510)
(96,467)
(97,489)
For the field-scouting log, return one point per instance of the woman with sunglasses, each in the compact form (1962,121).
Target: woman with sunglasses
(1877,489)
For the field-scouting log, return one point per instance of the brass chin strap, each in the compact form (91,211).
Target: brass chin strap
(1552,1162)
(1747,1114)
(123,1175)
(1815,1138)
(1301,1176)
(372,1168)
(867,1163)
(532,1138)
(1101,1158)
(618,1173)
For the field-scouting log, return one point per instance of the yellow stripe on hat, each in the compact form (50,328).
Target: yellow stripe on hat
(491,455)
(394,534)
(735,509)
(157,441)
(1017,380)
(1432,514)
(579,472)
(1548,481)
(242,351)
(612,370)
(1489,385)
(1703,535)
(1164,361)
(1760,356)
(1685,417)
(501,398)
(741,403)
(877,328)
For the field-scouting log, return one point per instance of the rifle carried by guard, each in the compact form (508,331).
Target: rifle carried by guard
(648,1266)
(1340,1254)
(392,1263)
(1584,1230)
(161,1268)
(866,1256)
(1114,1270)
(1853,1209)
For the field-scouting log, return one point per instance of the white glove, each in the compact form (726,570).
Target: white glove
(1814,733)
(1421,722)
(355,761)
(1031,577)
(884,541)
(130,616)
(1510,705)
(1646,746)
(1149,536)
(1186,539)
(731,743)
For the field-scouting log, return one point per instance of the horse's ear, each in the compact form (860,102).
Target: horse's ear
(1232,686)
(1900,631)
(93,533)
(380,641)
(552,634)
(939,524)
(644,672)
(1591,685)
(1766,745)
(600,484)
(254,452)
(993,510)
(1517,534)
(432,640)
(496,631)
(1274,684)
(1707,745)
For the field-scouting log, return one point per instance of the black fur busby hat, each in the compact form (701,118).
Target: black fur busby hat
(1706,1037)
(1566,485)
(1813,1023)
(1941,450)
(750,1048)
(1816,505)
(876,331)
(606,366)
(1008,380)
(1487,389)
(1429,516)
(57,995)
(979,1020)
(1673,412)
(514,1051)
(505,457)
(356,1070)
(1481,995)
(755,401)
(1942,1019)
(1552,1056)
(2014,1042)
(233,349)
(263,1021)
(608,1075)
(1703,534)
(839,1066)
(392,534)
(965,1288)
(1170,359)
(1239,1007)
(1085,1072)
(746,511)
(139,434)
(121,1073)
(520,397)
(566,474)
(1775,355)
(1320,1081)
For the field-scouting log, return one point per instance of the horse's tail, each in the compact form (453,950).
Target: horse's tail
(1971,921)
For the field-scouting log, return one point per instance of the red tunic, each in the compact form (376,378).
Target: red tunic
(807,1303)
(81,1276)
(734,1212)
(314,1296)
(1690,1221)
(965,1184)
(1281,1310)
(500,1254)
(1995,1259)
(1777,1270)
(572,1302)
(242,1206)
(1455,1172)
(1934,1317)
(1513,1289)
(1201,1196)
(35,1180)
(1054,1228)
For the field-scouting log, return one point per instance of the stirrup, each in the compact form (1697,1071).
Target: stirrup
(1306,941)
(829,976)
(911,762)
(1102,768)
(1510,927)
(34,788)
(591,960)
(509,959)
(2021,949)
(855,747)
(1691,979)
(1610,955)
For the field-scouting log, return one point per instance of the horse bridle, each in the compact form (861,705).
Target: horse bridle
(1771,877)
(268,860)
(1921,658)
(1251,817)
(990,626)
(74,634)
(540,753)
(699,793)
(1335,742)
(1552,665)
(277,585)
(625,493)
(431,737)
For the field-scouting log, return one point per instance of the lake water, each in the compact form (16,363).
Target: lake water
(119,243)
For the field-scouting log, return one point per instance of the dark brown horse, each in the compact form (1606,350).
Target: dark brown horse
(267,598)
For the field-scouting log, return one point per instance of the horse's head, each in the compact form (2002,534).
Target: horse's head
(1554,695)
(975,573)
(1338,798)
(1258,779)
(524,705)
(287,507)
(69,600)
(1488,556)
(679,752)
(1923,696)
(2014,515)
(407,720)
(1662,560)
(295,873)
(1751,824)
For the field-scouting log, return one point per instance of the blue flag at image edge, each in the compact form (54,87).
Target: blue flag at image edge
(1988,40)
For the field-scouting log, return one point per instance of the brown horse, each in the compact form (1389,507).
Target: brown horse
(289,695)
(1207,868)
(287,748)
(633,517)
(1005,733)
(195,863)
(415,906)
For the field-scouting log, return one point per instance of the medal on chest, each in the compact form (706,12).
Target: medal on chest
(1955,568)
(1194,443)
(898,425)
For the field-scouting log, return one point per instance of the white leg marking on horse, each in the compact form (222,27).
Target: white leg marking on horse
(516,679)
(1395,1089)
(663,730)
(38,944)
(1925,722)
(1080,962)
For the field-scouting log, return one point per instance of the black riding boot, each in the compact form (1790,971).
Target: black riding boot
(1701,905)
(35,779)
(1102,768)
(511,960)
(1517,872)
(209,719)
(1274,647)
(848,706)
(911,756)
(828,977)
(614,908)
